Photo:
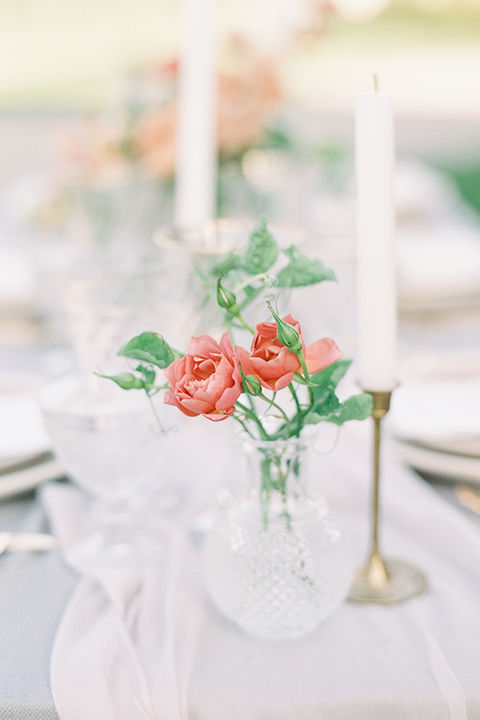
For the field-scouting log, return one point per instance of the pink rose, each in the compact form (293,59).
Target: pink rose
(273,364)
(246,103)
(206,381)
(155,141)
(248,98)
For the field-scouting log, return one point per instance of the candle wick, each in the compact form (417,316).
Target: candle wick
(375,82)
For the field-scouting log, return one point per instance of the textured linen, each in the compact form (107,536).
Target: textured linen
(34,588)
(148,644)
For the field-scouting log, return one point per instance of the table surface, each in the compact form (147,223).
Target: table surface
(230,678)
(34,588)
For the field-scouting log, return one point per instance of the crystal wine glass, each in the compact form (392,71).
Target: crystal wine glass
(111,445)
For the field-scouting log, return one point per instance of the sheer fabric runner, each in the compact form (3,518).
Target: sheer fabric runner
(127,638)
(145,643)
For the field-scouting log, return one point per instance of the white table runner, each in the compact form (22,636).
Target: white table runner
(147,643)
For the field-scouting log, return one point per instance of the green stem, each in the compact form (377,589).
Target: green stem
(154,389)
(252,415)
(295,397)
(244,426)
(292,427)
(306,375)
(280,410)
(249,281)
(161,428)
(244,323)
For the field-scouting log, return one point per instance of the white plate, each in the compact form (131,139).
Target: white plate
(25,461)
(438,266)
(436,426)
(436,410)
(27,478)
(444,465)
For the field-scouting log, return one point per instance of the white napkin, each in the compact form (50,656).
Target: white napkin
(126,642)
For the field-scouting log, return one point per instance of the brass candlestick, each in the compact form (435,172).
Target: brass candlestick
(383,581)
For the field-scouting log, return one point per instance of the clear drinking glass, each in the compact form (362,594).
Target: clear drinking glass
(107,301)
(110,444)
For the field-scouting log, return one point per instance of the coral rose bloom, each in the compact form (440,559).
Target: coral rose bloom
(274,364)
(206,381)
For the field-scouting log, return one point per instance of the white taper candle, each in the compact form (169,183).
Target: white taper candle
(196,145)
(376,286)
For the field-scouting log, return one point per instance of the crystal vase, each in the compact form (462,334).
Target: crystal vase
(275,562)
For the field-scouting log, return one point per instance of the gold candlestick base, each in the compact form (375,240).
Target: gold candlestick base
(387,581)
(383,581)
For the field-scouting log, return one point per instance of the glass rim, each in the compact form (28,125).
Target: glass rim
(303,440)
(216,237)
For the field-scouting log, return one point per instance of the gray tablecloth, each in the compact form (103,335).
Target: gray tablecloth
(33,591)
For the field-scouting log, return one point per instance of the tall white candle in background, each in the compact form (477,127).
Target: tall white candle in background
(196,144)
(376,286)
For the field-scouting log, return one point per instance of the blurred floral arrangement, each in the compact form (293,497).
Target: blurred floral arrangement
(119,164)
(140,134)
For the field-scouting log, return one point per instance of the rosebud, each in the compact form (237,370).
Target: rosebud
(287,334)
(251,385)
(226,299)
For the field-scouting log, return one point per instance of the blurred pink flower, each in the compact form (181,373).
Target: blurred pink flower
(246,102)
(155,141)
(245,105)
(106,148)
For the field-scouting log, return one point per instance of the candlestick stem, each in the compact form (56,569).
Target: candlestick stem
(381,407)
(383,581)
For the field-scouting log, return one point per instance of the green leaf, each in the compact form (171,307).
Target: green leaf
(223,267)
(302,270)
(312,418)
(148,374)
(325,383)
(302,381)
(151,348)
(357,407)
(327,406)
(331,375)
(277,138)
(261,251)
(126,381)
